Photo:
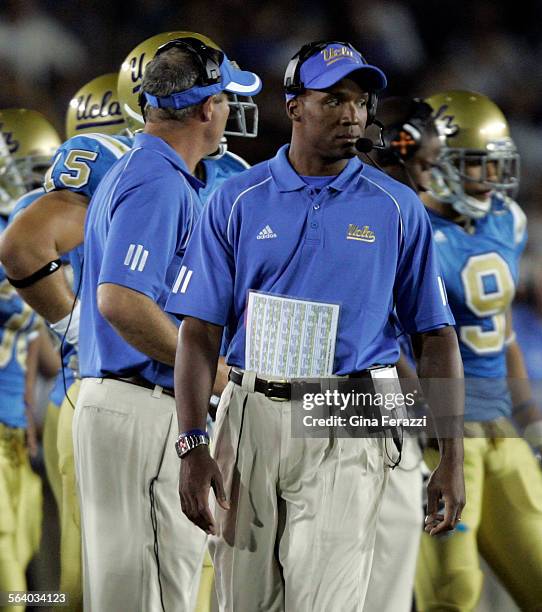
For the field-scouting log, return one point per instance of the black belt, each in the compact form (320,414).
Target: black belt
(139,381)
(280,390)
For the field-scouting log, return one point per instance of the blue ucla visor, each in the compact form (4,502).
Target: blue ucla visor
(335,62)
(232,79)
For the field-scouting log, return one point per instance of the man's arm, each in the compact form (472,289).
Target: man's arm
(439,358)
(50,226)
(146,327)
(49,362)
(139,320)
(195,372)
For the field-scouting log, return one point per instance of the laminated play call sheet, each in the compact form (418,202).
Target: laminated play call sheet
(290,338)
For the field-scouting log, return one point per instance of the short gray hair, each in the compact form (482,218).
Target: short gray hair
(170,72)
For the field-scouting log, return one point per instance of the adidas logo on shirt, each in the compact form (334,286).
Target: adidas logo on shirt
(267,232)
(136,257)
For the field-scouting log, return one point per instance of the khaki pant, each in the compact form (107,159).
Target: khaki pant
(70,522)
(20,512)
(300,532)
(140,553)
(502,521)
(50,452)
(398,536)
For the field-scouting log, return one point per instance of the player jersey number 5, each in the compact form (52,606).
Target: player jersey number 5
(78,170)
(489,291)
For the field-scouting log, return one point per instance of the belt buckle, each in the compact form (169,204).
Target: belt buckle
(271,384)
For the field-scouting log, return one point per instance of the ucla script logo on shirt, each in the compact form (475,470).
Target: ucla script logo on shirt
(363,234)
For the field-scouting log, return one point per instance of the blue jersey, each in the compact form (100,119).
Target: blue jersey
(79,165)
(363,242)
(17,321)
(219,170)
(480,269)
(69,354)
(528,328)
(137,228)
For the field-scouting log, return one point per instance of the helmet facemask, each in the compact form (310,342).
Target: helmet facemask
(243,118)
(474,134)
(12,182)
(451,174)
(242,121)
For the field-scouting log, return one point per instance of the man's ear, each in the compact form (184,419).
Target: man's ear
(293,109)
(206,109)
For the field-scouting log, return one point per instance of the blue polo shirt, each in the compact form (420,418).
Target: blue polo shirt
(136,231)
(363,241)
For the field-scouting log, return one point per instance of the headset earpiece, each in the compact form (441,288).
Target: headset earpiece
(204,55)
(402,140)
(209,67)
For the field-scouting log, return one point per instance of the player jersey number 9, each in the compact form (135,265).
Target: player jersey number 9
(78,170)
(489,291)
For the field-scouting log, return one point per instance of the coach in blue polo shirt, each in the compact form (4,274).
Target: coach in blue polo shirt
(311,242)
(140,551)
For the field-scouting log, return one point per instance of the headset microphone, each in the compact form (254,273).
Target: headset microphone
(364,145)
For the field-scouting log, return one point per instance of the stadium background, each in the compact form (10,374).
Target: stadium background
(49,48)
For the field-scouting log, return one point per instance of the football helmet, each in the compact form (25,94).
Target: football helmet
(474,132)
(95,108)
(27,143)
(243,119)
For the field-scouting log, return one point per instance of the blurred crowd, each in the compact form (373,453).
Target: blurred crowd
(49,48)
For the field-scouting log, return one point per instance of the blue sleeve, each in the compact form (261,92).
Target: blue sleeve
(420,295)
(81,162)
(24,202)
(149,224)
(204,285)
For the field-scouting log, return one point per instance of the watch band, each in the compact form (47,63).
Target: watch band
(189,440)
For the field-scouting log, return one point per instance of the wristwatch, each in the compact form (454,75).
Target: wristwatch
(189,440)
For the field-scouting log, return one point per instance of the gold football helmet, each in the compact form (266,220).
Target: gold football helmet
(95,108)
(131,75)
(27,143)
(474,132)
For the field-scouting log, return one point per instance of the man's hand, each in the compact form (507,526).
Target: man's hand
(200,472)
(445,483)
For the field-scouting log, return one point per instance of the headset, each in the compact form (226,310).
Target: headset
(206,59)
(292,77)
(402,140)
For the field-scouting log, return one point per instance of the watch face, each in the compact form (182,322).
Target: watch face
(184,445)
(187,443)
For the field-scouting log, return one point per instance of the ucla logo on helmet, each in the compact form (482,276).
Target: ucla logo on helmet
(445,123)
(93,113)
(11,143)
(136,71)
